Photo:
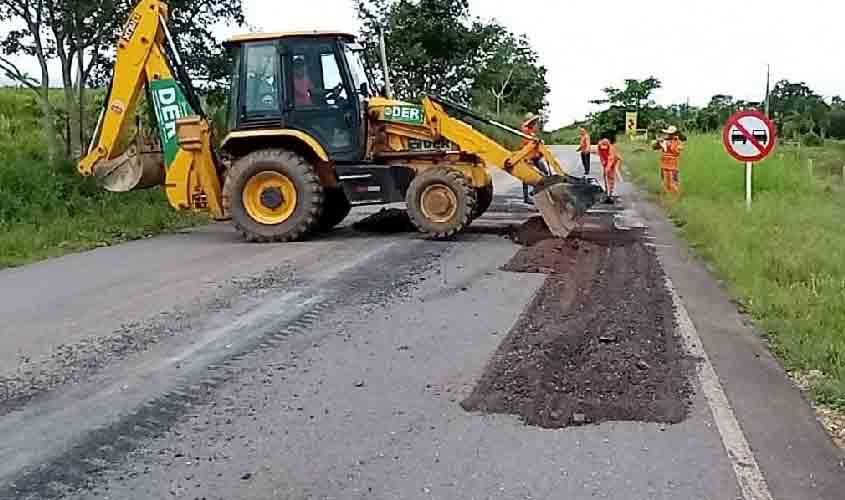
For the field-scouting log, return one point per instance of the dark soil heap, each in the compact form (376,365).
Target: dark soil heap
(596,344)
(386,221)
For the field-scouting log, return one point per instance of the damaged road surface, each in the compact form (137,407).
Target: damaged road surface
(367,364)
(596,344)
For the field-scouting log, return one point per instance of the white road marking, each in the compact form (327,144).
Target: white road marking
(751,482)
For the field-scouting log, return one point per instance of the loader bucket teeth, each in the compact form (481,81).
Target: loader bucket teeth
(562,200)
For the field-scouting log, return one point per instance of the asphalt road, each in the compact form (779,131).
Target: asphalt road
(197,366)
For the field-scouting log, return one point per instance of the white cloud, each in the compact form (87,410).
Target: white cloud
(695,48)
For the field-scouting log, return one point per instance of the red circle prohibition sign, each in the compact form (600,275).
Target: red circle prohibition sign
(736,136)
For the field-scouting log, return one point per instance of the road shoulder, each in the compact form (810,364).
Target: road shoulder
(796,455)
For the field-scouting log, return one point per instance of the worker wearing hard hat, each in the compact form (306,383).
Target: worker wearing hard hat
(531,128)
(584,149)
(611,161)
(670,147)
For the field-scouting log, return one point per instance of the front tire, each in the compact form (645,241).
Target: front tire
(274,195)
(440,202)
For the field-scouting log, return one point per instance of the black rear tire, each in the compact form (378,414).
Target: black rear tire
(444,220)
(484,198)
(309,195)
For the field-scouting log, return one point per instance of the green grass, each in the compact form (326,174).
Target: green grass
(47,210)
(566,135)
(784,259)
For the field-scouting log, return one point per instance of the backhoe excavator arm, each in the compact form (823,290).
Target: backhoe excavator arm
(146,59)
(561,198)
(517,163)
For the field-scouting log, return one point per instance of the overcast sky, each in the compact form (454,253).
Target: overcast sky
(695,48)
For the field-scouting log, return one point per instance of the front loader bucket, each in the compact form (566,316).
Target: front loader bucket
(140,167)
(561,200)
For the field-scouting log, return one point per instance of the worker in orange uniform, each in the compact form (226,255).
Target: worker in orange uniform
(611,161)
(531,128)
(584,149)
(670,147)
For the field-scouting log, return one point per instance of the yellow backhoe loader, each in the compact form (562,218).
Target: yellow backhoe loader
(308,137)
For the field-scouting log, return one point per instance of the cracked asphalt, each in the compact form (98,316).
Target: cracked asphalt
(197,366)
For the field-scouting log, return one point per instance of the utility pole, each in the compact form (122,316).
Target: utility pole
(388,88)
(768,87)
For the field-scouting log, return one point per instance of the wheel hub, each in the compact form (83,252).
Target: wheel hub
(272,198)
(439,203)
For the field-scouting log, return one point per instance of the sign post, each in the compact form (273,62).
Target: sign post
(749,136)
(748,166)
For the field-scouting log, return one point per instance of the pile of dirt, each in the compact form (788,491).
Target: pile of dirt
(596,344)
(533,231)
(550,256)
(386,221)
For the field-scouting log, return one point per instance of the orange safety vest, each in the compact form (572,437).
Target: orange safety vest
(608,154)
(671,154)
(585,144)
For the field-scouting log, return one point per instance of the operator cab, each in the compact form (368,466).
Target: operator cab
(315,83)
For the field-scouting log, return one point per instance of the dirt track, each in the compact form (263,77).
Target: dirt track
(596,343)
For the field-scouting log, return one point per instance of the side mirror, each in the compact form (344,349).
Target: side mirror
(365,90)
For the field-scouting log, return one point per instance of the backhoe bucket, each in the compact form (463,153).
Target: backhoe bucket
(561,200)
(140,167)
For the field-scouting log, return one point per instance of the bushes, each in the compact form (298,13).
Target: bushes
(47,209)
(812,140)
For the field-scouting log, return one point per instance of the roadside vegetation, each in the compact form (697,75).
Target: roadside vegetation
(784,259)
(564,136)
(47,120)
(46,209)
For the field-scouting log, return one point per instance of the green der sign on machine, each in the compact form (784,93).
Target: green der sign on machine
(409,115)
(170,105)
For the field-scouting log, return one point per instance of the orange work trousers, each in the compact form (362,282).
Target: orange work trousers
(610,171)
(671,180)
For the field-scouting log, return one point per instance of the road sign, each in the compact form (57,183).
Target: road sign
(631,123)
(749,136)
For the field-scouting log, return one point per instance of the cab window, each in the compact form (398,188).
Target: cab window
(261,88)
(317,79)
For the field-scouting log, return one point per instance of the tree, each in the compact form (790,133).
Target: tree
(30,41)
(796,107)
(636,97)
(79,33)
(510,74)
(837,123)
(434,46)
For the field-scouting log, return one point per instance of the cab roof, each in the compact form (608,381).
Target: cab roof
(252,37)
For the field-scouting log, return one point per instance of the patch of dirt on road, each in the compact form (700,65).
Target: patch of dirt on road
(551,256)
(596,344)
(533,231)
(386,221)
